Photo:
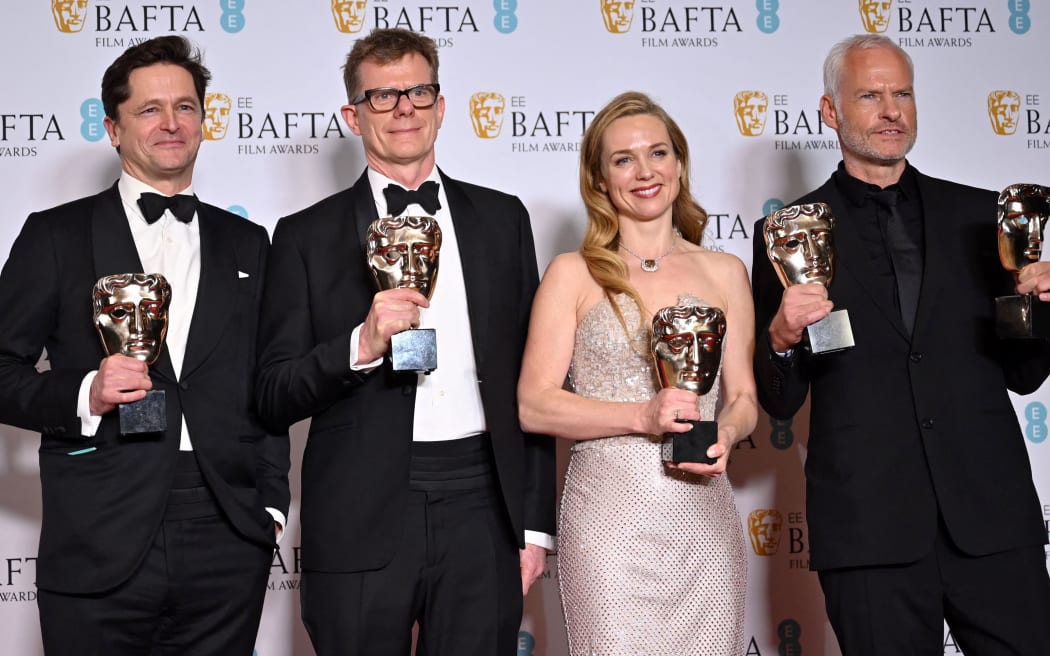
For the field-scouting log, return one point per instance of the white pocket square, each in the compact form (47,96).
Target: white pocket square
(241,274)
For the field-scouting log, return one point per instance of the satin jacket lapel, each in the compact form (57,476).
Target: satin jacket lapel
(113,251)
(363,206)
(852,259)
(216,290)
(470,229)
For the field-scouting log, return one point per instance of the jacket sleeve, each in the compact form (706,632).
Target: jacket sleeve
(44,401)
(298,378)
(540,455)
(782,382)
(273,450)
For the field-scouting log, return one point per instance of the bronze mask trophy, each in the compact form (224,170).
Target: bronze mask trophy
(131,316)
(403,254)
(687,348)
(799,244)
(1023,212)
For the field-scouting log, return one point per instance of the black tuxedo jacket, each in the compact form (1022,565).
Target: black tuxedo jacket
(356,465)
(901,428)
(102,508)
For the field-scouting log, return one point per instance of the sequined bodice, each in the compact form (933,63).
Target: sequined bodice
(608,366)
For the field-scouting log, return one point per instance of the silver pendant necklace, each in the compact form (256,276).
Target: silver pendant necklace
(651,264)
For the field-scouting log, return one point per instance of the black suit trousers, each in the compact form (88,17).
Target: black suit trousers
(199,591)
(456,574)
(995,605)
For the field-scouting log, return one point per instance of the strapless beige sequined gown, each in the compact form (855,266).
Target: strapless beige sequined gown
(650,561)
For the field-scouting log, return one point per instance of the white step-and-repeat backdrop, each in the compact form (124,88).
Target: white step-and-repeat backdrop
(522,78)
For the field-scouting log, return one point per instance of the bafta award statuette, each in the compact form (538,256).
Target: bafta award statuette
(800,246)
(687,348)
(131,316)
(403,253)
(1023,212)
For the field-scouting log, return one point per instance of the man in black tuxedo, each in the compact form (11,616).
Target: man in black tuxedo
(157,543)
(418,491)
(920,499)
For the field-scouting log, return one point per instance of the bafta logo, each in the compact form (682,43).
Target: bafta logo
(217,108)
(69,15)
(750,108)
(1004,109)
(618,15)
(349,15)
(486,113)
(763,527)
(876,15)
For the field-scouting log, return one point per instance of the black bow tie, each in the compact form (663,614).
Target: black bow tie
(398,198)
(183,206)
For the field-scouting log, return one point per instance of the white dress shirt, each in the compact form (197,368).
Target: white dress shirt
(448,400)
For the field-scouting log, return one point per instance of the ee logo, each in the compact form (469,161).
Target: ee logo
(1020,21)
(506,21)
(1035,430)
(92,128)
(232,20)
(768,21)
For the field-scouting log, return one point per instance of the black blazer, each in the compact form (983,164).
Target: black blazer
(356,464)
(102,508)
(901,429)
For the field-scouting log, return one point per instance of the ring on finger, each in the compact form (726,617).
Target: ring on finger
(676,414)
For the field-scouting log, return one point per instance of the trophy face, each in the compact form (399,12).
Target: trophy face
(217,108)
(69,15)
(687,346)
(349,16)
(1004,110)
(750,109)
(617,15)
(403,253)
(799,244)
(486,113)
(876,15)
(764,527)
(131,314)
(1023,212)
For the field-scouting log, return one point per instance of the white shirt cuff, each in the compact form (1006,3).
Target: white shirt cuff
(89,423)
(278,517)
(541,540)
(355,341)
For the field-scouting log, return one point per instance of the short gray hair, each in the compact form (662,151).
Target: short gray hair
(836,58)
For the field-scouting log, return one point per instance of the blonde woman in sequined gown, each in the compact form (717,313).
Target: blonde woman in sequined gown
(651,555)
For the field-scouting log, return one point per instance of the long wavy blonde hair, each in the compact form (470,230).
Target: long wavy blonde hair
(601,242)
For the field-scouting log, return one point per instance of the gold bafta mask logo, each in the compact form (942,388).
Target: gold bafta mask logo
(1004,110)
(69,15)
(750,108)
(486,113)
(876,15)
(763,527)
(217,107)
(618,15)
(349,15)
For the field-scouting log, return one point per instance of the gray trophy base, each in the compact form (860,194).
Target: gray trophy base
(691,446)
(1022,316)
(830,334)
(414,350)
(148,415)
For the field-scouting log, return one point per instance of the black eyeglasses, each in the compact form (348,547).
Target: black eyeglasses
(422,96)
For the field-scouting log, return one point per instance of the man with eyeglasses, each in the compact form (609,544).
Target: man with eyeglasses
(418,492)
